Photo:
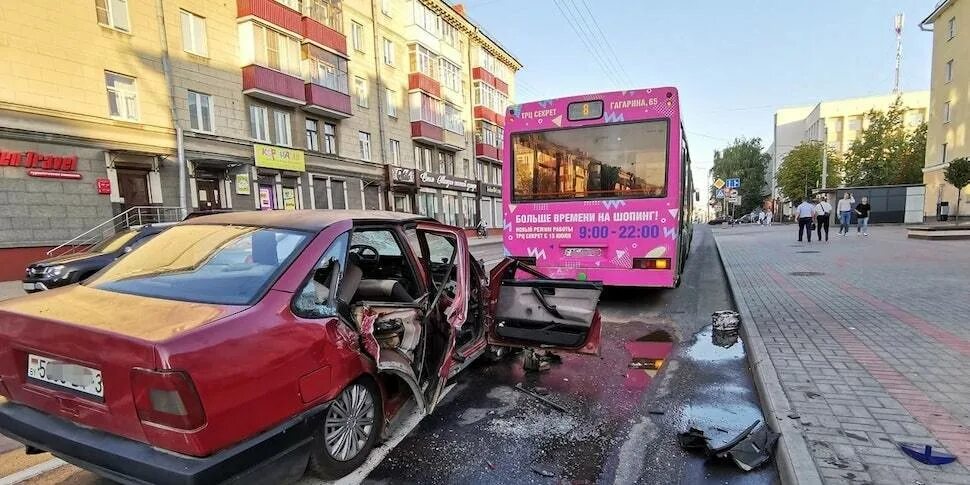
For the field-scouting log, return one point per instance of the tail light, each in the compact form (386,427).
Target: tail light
(166,398)
(651,263)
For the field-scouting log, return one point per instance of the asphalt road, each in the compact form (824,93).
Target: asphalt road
(620,422)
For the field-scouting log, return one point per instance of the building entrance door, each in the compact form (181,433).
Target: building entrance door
(133,187)
(208,194)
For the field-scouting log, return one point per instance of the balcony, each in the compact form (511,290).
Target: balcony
(270,11)
(487,152)
(480,74)
(501,86)
(483,113)
(453,141)
(274,86)
(324,36)
(426,132)
(327,102)
(417,80)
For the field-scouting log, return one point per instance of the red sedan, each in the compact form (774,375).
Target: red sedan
(256,345)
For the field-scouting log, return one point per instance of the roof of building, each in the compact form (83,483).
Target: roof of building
(940,7)
(304,220)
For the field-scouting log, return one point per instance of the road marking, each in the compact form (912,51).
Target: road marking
(36,470)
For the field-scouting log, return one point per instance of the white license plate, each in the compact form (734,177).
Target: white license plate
(30,286)
(71,376)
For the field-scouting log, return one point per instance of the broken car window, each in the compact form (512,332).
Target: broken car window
(317,297)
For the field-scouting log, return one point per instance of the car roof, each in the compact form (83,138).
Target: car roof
(304,220)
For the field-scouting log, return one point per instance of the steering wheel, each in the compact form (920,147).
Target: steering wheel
(361,249)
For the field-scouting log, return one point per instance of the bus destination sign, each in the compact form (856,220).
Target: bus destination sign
(585,110)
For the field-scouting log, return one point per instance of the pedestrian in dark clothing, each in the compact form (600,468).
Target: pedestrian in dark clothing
(822,211)
(862,211)
(805,212)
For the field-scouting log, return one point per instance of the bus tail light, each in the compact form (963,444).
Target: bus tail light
(651,263)
(167,398)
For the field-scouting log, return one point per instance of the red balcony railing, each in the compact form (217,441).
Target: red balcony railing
(483,113)
(263,82)
(480,74)
(502,86)
(417,80)
(327,101)
(270,11)
(426,132)
(486,151)
(323,35)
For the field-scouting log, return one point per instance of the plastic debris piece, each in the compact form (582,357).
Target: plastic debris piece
(656,411)
(692,439)
(755,449)
(542,471)
(926,454)
(793,416)
(547,402)
(726,320)
(734,441)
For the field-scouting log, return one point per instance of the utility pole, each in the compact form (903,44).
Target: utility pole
(899,49)
(825,159)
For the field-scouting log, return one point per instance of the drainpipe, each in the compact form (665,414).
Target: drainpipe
(167,70)
(378,66)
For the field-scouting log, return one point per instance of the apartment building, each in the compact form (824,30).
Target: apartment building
(251,104)
(946,134)
(838,122)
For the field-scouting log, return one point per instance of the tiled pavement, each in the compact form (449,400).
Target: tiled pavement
(870,339)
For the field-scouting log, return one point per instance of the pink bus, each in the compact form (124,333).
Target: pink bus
(598,187)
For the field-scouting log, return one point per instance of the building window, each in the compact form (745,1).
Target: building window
(426,19)
(122,96)
(390,99)
(259,123)
(394,147)
(330,138)
(294,4)
(450,76)
(327,12)
(952,27)
(449,34)
(948,71)
(485,133)
(855,123)
(363,140)
(200,112)
(943,151)
(466,169)
(422,158)
(489,97)
(113,13)
(389,54)
(486,60)
(193,34)
(312,142)
(386,7)
(269,48)
(452,119)
(441,162)
(282,119)
(946,112)
(357,36)
(425,108)
(423,60)
(326,68)
(360,92)
(449,163)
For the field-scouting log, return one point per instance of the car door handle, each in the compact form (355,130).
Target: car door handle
(545,303)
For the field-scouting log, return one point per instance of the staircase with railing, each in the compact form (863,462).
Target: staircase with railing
(135,216)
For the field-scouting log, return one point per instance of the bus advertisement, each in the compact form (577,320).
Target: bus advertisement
(598,187)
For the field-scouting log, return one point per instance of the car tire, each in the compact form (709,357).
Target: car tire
(332,456)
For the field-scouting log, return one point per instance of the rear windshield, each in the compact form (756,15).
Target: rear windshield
(231,265)
(113,243)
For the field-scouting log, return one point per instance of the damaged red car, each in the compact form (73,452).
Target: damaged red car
(255,346)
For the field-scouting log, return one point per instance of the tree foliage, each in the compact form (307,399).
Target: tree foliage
(886,153)
(747,160)
(801,169)
(958,175)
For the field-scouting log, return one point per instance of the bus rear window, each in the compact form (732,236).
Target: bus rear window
(592,162)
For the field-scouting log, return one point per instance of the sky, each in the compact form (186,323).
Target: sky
(733,62)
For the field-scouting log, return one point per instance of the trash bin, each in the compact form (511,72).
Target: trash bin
(944,211)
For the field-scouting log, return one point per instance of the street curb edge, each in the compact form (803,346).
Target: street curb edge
(795,463)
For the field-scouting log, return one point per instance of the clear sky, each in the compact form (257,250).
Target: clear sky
(734,62)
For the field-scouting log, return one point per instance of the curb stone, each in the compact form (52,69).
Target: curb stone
(795,463)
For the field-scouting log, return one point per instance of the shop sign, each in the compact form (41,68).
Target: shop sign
(104,186)
(279,158)
(42,165)
(443,181)
(265,198)
(402,175)
(289,199)
(242,184)
(491,190)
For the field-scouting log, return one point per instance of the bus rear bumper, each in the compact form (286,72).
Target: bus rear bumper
(648,278)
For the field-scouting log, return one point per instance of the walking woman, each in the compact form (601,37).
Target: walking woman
(822,211)
(845,212)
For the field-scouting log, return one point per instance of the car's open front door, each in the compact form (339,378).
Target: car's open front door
(444,251)
(532,310)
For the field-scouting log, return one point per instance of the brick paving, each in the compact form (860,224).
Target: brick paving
(871,351)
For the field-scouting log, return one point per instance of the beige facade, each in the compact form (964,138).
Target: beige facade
(949,119)
(840,122)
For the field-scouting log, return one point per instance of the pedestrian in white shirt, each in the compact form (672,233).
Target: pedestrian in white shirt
(845,212)
(805,212)
(822,211)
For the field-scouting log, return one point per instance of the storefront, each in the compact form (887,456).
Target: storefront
(445,197)
(402,189)
(279,174)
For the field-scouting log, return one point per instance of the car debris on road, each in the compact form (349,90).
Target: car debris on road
(749,449)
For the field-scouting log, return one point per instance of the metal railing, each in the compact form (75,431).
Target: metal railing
(135,216)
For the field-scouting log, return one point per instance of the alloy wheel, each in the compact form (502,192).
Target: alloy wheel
(349,423)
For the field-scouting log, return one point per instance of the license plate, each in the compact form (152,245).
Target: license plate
(71,376)
(30,286)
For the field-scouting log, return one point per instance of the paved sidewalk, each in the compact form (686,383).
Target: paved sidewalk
(870,338)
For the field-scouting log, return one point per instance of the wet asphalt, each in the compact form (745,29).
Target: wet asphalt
(621,422)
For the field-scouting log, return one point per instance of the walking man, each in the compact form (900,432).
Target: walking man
(822,211)
(845,211)
(862,211)
(805,211)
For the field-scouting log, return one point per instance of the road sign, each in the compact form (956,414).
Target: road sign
(734,200)
(733,183)
(718,183)
(730,192)
(719,194)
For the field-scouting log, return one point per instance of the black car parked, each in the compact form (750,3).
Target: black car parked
(71,268)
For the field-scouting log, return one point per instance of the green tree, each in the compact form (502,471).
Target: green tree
(886,153)
(747,160)
(801,169)
(958,174)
